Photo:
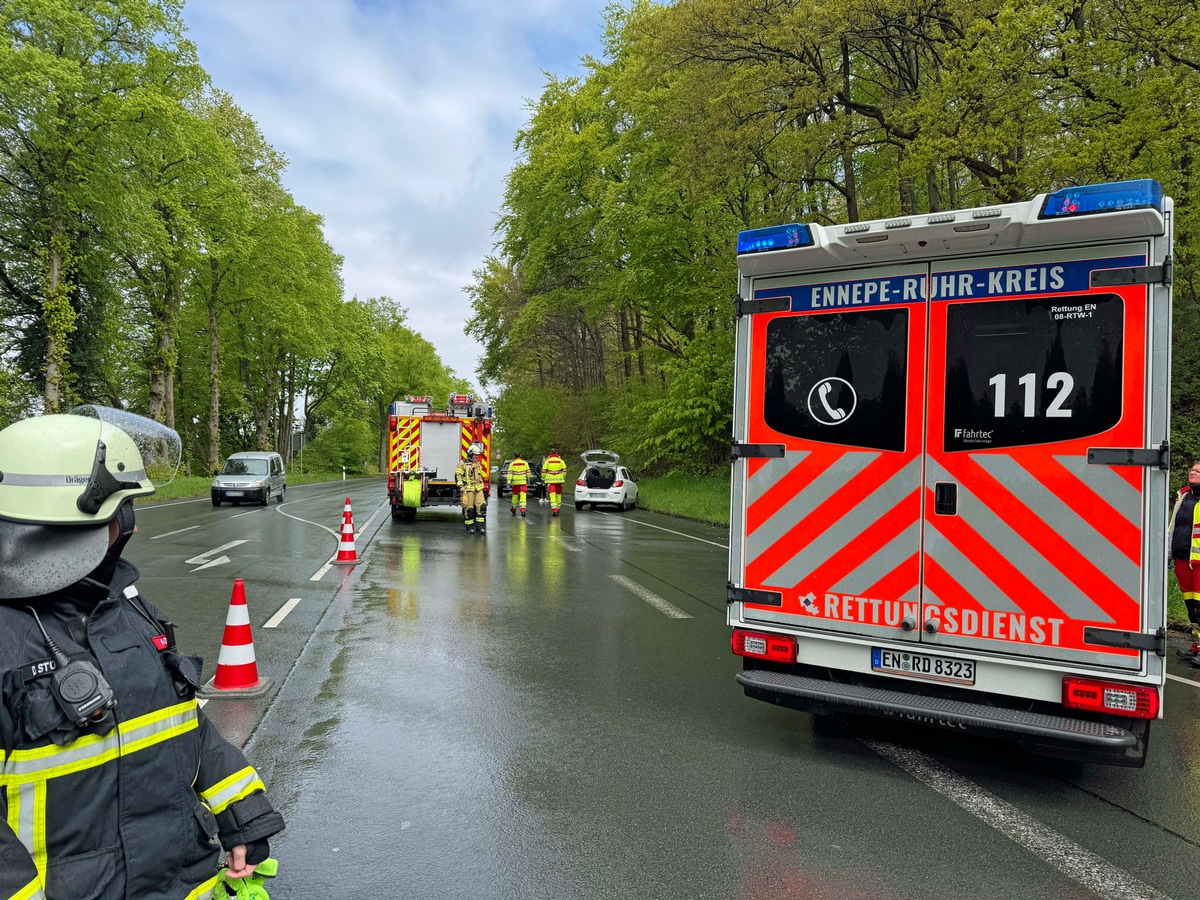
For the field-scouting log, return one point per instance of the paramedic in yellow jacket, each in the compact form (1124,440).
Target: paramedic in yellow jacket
(554,473)
(518,480)
(472,485)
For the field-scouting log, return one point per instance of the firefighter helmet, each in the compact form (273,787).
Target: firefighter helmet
(62,479)
(475,450)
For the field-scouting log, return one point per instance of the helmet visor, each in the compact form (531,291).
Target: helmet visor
(158,445)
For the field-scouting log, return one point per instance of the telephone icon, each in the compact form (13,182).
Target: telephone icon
(823,393)
(824,408)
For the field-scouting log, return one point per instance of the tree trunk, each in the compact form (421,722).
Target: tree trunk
(213,454)
(847,137)
(626,353)
(59,316)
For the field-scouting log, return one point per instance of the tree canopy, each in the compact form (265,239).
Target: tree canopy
(151,257)
(611,288)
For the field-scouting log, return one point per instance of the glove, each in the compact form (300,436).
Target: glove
(250,888)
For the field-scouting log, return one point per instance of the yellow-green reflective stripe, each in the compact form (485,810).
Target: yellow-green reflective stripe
(91,751)
(31,891)
(236,787)
(27,819)
(205,891)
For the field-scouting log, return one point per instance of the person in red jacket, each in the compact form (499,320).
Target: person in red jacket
(113,784)
(1185,556)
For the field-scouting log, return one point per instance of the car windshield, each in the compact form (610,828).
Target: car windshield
(245,467)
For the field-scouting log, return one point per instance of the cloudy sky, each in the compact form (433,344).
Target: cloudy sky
(397,118)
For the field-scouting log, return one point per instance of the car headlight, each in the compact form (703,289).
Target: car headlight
(258,483)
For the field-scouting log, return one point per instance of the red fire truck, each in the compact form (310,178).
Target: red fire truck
(950,492)
(425,446)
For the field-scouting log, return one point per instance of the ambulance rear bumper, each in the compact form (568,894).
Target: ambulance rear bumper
(1047,733)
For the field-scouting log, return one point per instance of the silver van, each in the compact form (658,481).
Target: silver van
(250,477)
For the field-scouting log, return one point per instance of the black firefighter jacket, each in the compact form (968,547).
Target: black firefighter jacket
(139,811)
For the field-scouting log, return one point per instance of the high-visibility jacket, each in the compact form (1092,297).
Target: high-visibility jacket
(140,811)
(469,477)
(518,473)
(1183,537)
(554,470)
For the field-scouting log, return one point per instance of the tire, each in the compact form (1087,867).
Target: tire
(282,494)
(578,506)
(216,502)
(266,497)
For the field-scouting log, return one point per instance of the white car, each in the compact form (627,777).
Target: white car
(604,481)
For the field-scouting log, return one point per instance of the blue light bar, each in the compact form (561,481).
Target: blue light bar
(777,237)
(1145,193)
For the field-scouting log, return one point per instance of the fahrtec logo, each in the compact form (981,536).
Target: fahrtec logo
(972,434)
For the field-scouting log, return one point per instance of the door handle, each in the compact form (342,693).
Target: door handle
(945,498)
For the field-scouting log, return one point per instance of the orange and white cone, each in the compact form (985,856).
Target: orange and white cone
(237,670)
(347,555)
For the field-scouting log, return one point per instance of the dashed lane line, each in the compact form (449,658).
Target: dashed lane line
(663,606)
(1093,872)
(180,531)
(691,537)
(274,621)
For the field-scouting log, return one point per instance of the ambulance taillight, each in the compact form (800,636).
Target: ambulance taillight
(763,645)
(1113,697)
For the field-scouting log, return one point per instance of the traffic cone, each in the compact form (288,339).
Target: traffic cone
(237,672)
(347,555)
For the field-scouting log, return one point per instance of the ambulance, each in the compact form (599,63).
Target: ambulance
(425,446)
(950,477)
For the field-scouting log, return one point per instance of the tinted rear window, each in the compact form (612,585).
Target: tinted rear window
(839,378)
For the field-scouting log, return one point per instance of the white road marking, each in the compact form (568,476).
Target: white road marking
(203,557)
(1096,874)
(1195,684)
(563,542)
(180,531)
(274,621)
(249,513)
(667,609)
(321,571)
(208,564)
(660,528)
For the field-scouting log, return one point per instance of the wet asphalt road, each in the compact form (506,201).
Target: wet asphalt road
(550,712)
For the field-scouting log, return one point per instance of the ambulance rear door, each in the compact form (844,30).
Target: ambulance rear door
(827,496)
(1040,378)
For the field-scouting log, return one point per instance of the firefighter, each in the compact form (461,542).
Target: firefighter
(117,784)
(518,480)
(554,473)
(1185,556)
(472,485)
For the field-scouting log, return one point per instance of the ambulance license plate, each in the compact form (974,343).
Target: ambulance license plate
(923,665)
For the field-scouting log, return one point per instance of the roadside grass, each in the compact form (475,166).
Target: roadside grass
(186,487)
(702,497)
(706,498)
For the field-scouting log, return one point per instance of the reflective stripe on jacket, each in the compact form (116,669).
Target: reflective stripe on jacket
(469,476)
(140,811)
(554,470)
(518,472)
(1185,534)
